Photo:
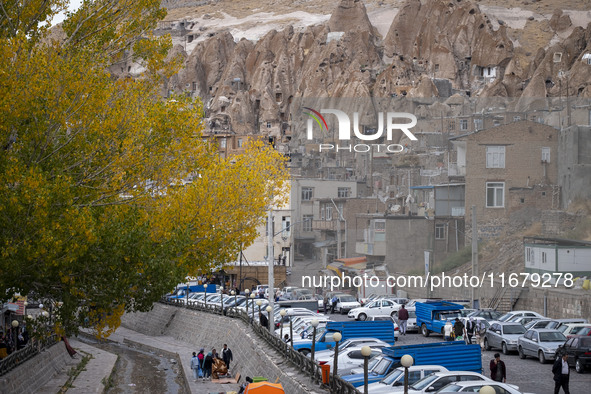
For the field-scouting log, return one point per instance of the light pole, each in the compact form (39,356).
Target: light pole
(222,297)
(291,330)
(252,296)
(271,324)
(246,291)
(15,333)
(487,390)
(234,294)
(259,303)
(282,313)
(406,362)
(337,338)
(365,352)
(314,324)
(205,289)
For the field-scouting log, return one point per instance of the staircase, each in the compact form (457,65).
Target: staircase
(503,301)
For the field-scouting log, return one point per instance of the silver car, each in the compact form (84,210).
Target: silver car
(503,336)
(541,343)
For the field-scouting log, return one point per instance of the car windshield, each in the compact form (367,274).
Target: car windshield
(584,331)
(450,388)
(506,317)
(392,377)
(513,329)
(348,299)
(319,333)
(412,315)
(552,337)
(585,342)
(371,304)
(382,366)
(450,315)
(425,382)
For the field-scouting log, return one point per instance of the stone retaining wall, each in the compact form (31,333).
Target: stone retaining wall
(252,356)
(33,374)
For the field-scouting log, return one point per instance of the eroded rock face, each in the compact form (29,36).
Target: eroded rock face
(560,22)
(250,86)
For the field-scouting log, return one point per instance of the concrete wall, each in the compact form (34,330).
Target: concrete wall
(574,164)
(252,357)
(33,374)
(406,240)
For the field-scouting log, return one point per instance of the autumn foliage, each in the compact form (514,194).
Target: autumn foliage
(109,194)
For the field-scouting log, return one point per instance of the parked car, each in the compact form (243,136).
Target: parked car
(286,292)
(325,355)
(352,358)
(466,312)
(579,352)
(503,335)
(345,303)
(368,299)
(396,299)
(474,387)
(509,315)
(396,378)
(439,380)
(572,329)
(540,343)
(378,307)
(584,332)
(523,320)
(487,314)
(542,323)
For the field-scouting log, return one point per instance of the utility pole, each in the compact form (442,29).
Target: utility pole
(474,290)
(271,262)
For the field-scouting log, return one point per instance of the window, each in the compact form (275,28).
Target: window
(329,212)
(268,125)
(194,87)
(478,124)
(239,142)
(307,225)
(495,157)
(439,231)
(544,258)
(516,118)
(307,193)
(223,143)
(344,192)
(495,192)
(528,255)
(463,124)
(545,155)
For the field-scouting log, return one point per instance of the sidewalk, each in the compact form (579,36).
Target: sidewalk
(182,349)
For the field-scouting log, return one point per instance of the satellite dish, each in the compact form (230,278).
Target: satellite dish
(395,208)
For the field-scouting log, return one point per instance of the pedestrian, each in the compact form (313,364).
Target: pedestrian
(325,304)
(470,326)
(458,329)
(201,357)
(561,373)
(195,366)
(498,372)
(264,321)
(333,304)
(448,330)
(227,355)
(215,354)
(402,319)
(207,364)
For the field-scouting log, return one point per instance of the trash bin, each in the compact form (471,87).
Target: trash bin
(325,373)
(258,379)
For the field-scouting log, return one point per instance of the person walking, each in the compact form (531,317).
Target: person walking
(195,366)
(561,373)
(498,372)
(325,304)
(458,329)
(402,319)
(227,355)
(470,326)
(201,357)
(333,304)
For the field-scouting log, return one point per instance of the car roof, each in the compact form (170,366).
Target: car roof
(507,323)
(453,373)
(544,330)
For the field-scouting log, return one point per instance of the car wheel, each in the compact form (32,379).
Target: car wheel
(305,352)
(362,317)
(486,345)
(579,366)
(424,330)
(541,357)
(504,347)
(521,354)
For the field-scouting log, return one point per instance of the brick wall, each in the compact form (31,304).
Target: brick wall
(252,357)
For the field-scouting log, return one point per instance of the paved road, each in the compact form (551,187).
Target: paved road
(528,374)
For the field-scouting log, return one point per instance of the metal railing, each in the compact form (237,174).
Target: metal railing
(32,348)
(299,360)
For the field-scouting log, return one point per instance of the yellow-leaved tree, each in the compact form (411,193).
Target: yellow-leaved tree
(93,214)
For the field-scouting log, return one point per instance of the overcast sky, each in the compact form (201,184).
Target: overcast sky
(74,4)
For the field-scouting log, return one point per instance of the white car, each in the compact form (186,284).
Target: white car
(475,386)
(352,358)
(345,303)
(396,378)
(325,355)
(379,307)
(438,380)
(510,315)
(571,329)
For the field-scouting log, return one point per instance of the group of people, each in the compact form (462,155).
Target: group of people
(471,332)
(206,366)
(9,342)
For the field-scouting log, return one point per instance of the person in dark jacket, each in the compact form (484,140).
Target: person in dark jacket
(498,372)
(402,319)
(207,365)
(458,328)
(264,321)
(561,373)
(227,355)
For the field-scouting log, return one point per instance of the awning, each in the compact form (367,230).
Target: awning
(264,388)
(352,260)
(324,244)
(336,267)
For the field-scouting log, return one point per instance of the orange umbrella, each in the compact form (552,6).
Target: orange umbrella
(264,388)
